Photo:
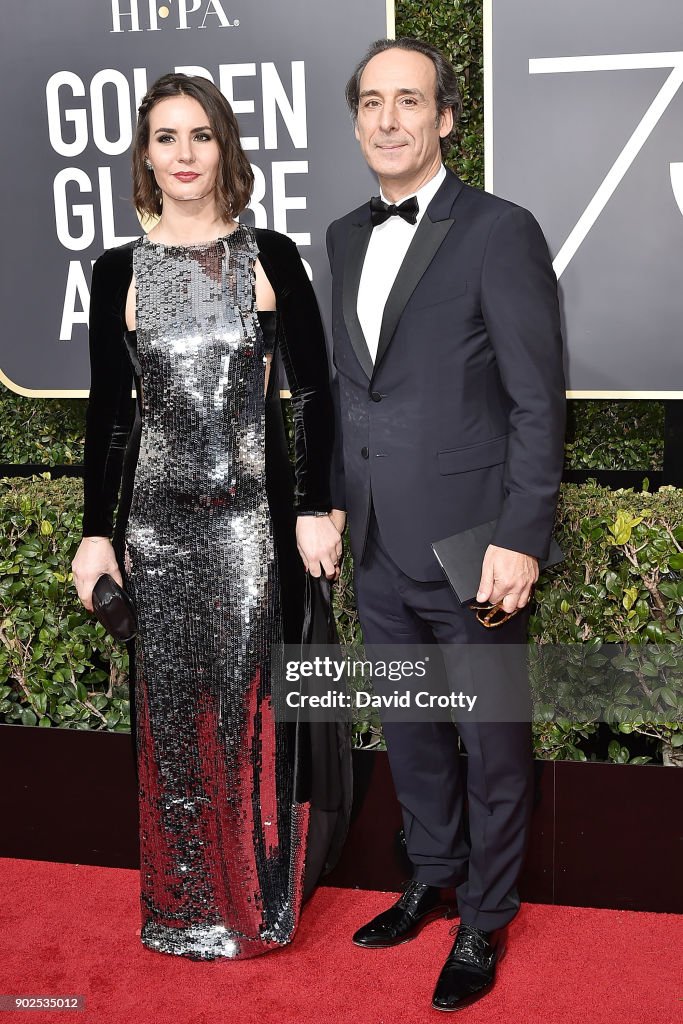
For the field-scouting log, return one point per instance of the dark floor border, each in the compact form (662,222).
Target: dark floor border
(603,835)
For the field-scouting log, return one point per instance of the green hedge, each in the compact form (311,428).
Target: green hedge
(600,435)
(455,26)
(41,431)
(615,435)
(57,665)
(622,582)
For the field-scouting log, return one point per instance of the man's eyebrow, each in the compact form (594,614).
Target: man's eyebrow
(401,92)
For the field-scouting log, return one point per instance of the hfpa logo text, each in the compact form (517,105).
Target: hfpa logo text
(152,16)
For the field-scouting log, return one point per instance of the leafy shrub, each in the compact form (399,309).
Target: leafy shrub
(41,431)
(57,665)
(621,583)
(456,28)
(614,435)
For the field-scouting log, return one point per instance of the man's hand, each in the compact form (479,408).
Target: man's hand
(95,556)
(507,576)
(319,544)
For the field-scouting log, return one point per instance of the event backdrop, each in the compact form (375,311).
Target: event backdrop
(584,116)
(75,73)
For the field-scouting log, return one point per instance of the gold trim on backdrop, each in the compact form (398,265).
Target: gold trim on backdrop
(626,394)
(391,19)
(488,95)
(30,393)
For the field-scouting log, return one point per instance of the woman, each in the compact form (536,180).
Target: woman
(208,523)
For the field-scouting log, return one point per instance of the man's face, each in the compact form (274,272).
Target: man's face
(397,126)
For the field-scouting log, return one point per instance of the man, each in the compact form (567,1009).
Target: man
(451,407)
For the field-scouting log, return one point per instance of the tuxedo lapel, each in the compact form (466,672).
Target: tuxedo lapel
(356,247)
(430,233)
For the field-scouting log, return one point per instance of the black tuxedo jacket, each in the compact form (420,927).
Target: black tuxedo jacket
(461,418)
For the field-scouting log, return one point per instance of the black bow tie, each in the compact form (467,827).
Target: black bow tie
(381,211)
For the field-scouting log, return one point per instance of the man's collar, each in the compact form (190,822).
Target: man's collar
(425,193)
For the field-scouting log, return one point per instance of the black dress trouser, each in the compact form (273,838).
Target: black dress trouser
(424,757)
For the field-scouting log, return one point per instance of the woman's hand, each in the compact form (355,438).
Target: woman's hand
(319,544)
(95,555)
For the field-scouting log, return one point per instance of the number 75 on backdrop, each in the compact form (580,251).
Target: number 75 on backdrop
(583,113)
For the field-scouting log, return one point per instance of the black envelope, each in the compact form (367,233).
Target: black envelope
(461,557)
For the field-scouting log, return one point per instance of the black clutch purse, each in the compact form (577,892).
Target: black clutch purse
(114,608)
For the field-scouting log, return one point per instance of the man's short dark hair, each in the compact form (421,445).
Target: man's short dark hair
(447,91)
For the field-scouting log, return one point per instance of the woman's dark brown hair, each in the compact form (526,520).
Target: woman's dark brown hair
(235,179)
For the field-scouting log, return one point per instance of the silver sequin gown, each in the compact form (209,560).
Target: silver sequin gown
(222,840)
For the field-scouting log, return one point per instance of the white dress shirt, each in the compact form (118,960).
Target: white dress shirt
(385,253)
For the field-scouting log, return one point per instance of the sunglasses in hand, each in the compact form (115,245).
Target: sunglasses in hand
(491,615)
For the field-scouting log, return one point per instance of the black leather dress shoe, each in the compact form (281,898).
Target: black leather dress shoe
(470,968)
(417,906)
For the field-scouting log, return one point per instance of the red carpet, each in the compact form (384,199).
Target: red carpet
(71,930)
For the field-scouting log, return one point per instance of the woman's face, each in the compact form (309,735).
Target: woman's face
(183,150)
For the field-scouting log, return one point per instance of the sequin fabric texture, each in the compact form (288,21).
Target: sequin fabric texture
(222,843)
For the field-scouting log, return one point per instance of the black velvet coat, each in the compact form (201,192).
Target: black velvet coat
(113,418)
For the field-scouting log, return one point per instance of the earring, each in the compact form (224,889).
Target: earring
(148,165)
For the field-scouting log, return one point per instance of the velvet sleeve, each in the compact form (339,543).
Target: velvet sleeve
(304,355)
(111,409)
(337,480)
